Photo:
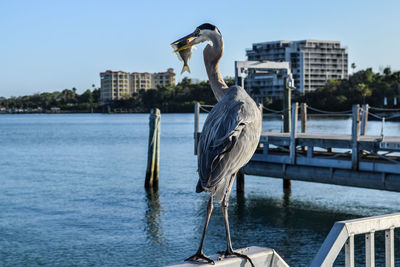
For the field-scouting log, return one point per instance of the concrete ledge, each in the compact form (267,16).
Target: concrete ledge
(261,257)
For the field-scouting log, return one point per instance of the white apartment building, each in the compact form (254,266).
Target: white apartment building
(312,62)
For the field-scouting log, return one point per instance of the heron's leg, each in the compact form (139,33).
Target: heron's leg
(199,254)
(224,205)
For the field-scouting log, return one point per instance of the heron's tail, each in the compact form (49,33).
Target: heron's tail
(185,68)
(199,188)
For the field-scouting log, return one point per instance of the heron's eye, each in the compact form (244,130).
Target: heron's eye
(197,31)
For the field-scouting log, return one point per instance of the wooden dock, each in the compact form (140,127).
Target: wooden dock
(353,160)
(316,159)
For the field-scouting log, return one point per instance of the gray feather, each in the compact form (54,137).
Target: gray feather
(228,140)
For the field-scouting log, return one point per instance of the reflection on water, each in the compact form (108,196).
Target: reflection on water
(153,216)
(295,229)
(240,207)
(291,227)
(287,192)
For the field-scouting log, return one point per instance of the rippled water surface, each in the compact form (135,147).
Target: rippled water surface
(71,194)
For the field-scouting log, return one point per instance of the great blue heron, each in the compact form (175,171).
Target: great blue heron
(229,137)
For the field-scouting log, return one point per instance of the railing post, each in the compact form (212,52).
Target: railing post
(342,234)
(370,249)
(364,119)
(153,156)
(354,136)
(286,106)
(293,134)
(303,111)
(349,252)
(389,247)
(196,126)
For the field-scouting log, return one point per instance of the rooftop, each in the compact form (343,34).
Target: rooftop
(299,41)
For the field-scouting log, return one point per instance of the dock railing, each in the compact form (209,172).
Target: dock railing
(343,232)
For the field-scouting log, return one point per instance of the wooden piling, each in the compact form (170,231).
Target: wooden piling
(354,136)
(157,156)
(303,111)
(287,102)
(153,156)
(293,134)
(287,94)
(364,119)
(287,185)
(240,182)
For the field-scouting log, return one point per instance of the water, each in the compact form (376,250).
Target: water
(71,194)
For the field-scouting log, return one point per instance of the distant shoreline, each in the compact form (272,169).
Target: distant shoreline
(266,116)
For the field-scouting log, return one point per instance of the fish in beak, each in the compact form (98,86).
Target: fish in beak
(183,48)
(185,42)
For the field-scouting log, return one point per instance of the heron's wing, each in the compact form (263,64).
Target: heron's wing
(219,137)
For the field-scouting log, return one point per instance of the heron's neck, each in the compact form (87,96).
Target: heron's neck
(212,55)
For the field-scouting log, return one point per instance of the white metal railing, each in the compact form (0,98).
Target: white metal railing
(343,232)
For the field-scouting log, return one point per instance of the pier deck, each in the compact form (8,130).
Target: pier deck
(329,158)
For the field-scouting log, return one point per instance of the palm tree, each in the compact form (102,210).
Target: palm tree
(353,66)
(364,90)
(387,71)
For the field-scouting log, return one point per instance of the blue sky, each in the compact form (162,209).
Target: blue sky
(53,45)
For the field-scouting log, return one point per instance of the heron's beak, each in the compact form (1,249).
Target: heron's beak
(188,40)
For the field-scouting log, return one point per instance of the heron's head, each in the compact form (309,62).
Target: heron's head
(202,33)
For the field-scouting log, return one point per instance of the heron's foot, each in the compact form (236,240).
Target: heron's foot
(230,252)
(200,257)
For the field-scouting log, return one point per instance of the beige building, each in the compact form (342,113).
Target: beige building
(140,81)
(163,78)
(116,85)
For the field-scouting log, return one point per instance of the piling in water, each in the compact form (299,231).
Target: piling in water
(355,134)
(364,119)
(240,182)
(153,156)
(287,102)
(303,112)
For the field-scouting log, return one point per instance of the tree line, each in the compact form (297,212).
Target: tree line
(66,100)
(362,87)
(178,98)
